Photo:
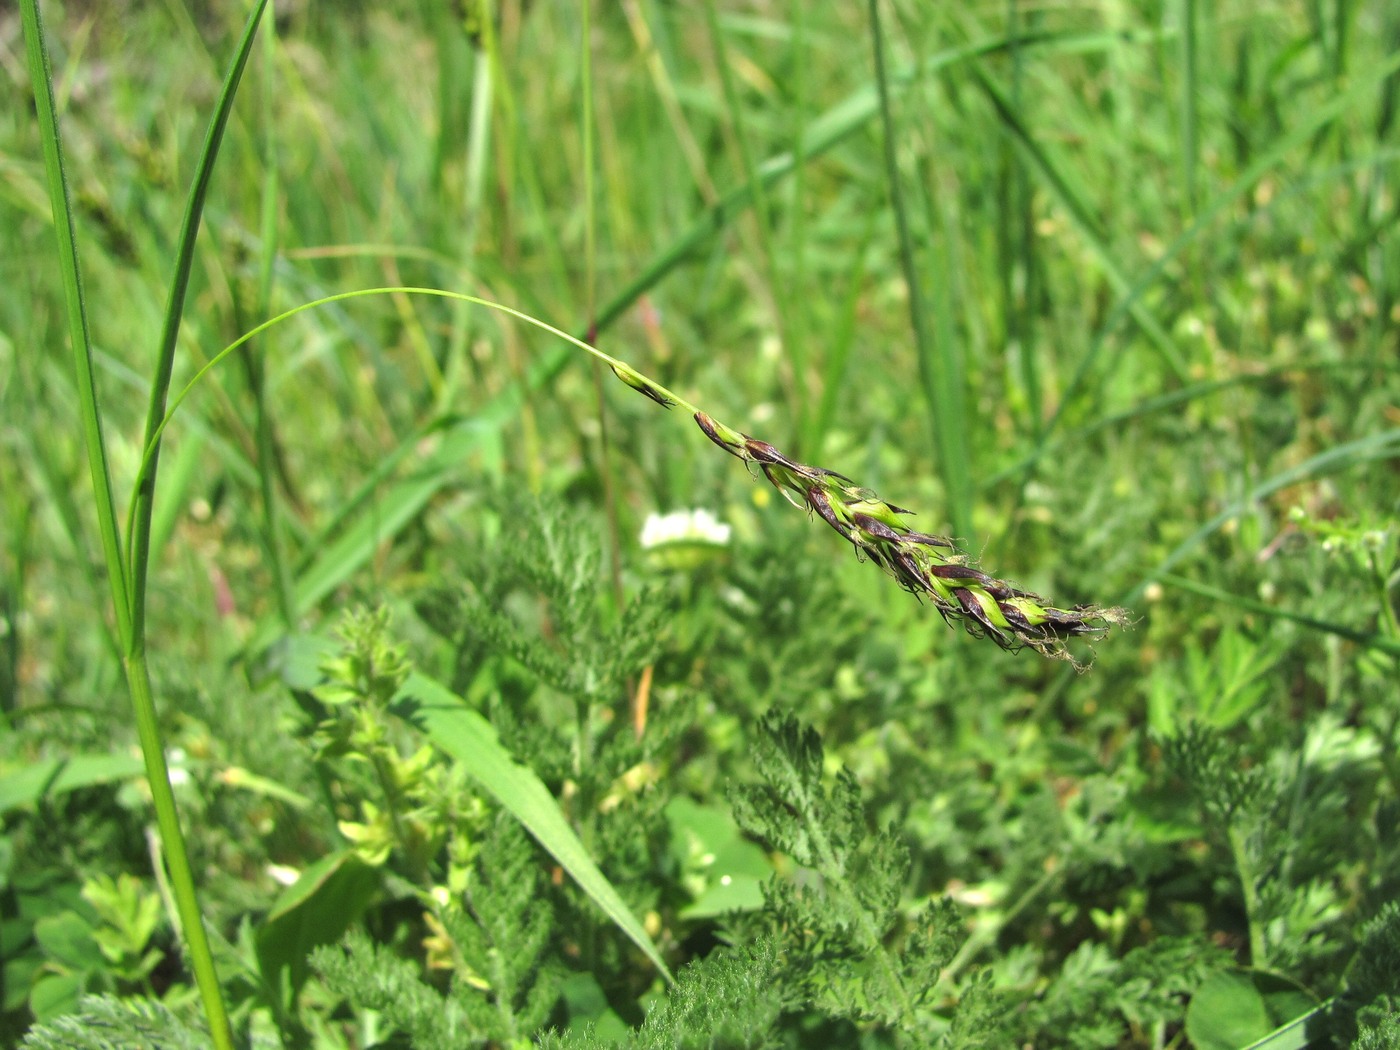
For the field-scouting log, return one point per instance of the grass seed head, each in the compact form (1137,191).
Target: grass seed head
(928,566)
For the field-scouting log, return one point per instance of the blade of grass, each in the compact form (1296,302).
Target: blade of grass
(654,56)
(763,219)
(257,369)
(470,739)
(143,498)
(1366,639)
(61,207)
(1190,90)
(1017,242)
(833,127)
(57,491)
(940,365)
(798,346)
(590,280)
(1373,447)
(52,777)
(1183,396)
(1293,1035)
(840,341)
(477,164)
(1262,166)
(1072,201)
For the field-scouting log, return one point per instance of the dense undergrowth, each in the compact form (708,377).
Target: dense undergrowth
(471,747)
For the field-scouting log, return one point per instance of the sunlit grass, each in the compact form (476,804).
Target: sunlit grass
(1129,337)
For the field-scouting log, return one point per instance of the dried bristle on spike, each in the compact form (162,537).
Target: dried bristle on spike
(927,540)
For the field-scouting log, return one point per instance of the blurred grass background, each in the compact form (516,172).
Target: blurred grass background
(1151,249)
(1131,202)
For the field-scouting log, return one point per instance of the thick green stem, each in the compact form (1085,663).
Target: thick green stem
(1244,865)
(177,860)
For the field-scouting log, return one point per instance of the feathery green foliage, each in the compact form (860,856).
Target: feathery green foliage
(732,998)
(1370,1001)
(841,917)
(491,943)
(111,1023)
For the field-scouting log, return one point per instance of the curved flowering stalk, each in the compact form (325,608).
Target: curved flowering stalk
(928,566)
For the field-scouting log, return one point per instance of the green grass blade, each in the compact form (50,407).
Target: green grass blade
(470,739)
(1021,268)
(143,502)
(60,202)
(1293,1035)
(256,366)
(1072,200)
(940,365)
(52,777)
(125,588)
(1190,90)
(1315,121)
(1374,447)
(1366,639)
(827,131)
(763,217)
(840,342)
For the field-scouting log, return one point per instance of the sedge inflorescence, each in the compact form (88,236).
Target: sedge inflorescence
(928,566)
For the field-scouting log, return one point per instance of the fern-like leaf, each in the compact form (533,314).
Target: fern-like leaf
(110,1023)
(731,999)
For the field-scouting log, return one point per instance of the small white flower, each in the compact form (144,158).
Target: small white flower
(282,874)
(175,765)
(684,526)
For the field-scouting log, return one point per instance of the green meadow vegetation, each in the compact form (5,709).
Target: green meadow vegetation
(377,670)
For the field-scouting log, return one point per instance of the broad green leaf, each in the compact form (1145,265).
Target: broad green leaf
(314,910)
(67,939)
(55,994)
(589,1010)
(18,975)
(470,739)
(724,870)
(60,775)
(1226,1013)
(1290,1036)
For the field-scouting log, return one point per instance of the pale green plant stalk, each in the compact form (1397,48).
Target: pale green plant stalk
(127,569)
